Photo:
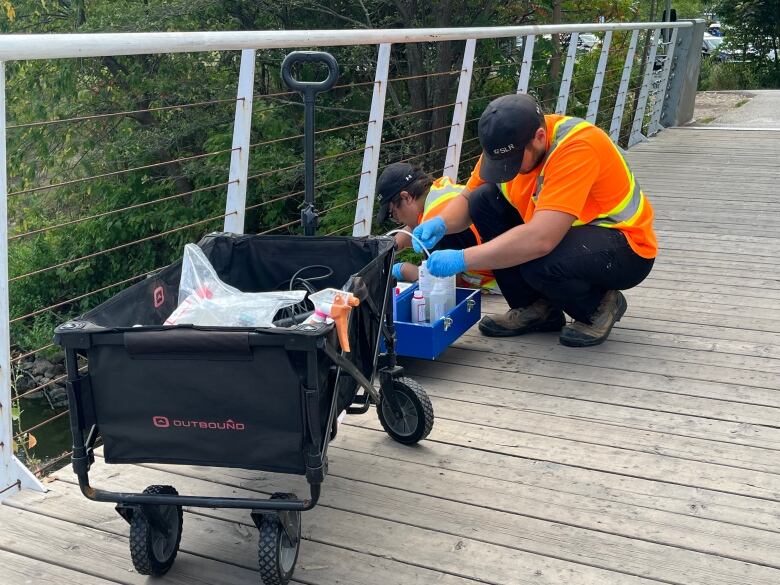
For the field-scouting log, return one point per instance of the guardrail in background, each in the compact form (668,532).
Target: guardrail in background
(656,84)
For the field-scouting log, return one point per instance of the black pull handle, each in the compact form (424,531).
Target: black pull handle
(309,88)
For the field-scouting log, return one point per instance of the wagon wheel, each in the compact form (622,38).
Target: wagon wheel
(279,542)
(155,533)
(407,415)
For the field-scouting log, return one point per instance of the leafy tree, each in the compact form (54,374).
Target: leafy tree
(754,30)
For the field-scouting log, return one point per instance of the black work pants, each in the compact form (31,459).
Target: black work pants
(574,277)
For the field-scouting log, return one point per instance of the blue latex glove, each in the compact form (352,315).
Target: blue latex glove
(446,262)
(429,233)
(397,270)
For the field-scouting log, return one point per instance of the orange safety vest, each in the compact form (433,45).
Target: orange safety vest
(442,191)
(632,214)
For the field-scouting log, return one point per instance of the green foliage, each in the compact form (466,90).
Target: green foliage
(715,75)
(753,37)
(101,234)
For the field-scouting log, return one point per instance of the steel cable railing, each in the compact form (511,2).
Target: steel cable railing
(115,248)
(83,296)
(115,211)
(119,172)
(329,201)
(123,113)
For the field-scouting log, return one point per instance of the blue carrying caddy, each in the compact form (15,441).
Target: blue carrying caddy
(429,340)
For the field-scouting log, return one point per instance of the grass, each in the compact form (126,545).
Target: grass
(741,102)
(706,120)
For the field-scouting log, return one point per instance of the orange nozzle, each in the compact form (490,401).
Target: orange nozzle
(339,312)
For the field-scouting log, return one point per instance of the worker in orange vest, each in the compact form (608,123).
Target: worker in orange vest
(410,196)
(564,223)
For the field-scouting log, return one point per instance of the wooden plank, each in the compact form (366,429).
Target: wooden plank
(476,524)
(354,515)
(460,456)
(701,425)
(78,548)
(690,314)
(627,437)
(627,343)
(579,373)
(205,537)
(657,467)
(653,400)
(20,570)
(742,377)
(767,343)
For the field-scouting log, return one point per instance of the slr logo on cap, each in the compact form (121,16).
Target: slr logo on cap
(504,149)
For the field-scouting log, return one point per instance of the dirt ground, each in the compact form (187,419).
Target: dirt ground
(710,105)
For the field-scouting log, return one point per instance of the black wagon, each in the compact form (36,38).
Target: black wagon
(190,395)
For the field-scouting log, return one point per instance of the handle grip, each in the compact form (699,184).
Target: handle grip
(309,87)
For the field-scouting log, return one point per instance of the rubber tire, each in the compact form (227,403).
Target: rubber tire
(269,547)
(143,535)
(422,423)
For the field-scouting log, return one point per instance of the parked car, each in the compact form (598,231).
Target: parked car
(711,47)
(587,42)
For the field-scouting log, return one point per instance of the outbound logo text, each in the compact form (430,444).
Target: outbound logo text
(163,422)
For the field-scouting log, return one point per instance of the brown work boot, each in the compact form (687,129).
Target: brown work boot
(609,312)
(540,316)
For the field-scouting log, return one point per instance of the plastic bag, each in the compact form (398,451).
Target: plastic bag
(205,300)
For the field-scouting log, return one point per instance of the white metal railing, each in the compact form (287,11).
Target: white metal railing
(13,475)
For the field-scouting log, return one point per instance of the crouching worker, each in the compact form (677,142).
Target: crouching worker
(410,196)
(565,226)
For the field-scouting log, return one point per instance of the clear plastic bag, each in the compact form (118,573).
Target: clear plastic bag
(205,300)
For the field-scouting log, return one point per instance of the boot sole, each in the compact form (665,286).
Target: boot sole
(623,305)
(541,328)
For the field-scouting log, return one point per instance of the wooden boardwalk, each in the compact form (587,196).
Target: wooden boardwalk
(654,458)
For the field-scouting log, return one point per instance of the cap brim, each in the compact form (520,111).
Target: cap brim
(381,215)
(500,170)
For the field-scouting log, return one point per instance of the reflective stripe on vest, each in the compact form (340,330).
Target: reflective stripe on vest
(438,195)
(624,213)
(563,129)
(444,190)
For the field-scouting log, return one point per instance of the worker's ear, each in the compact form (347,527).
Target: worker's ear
(541,134)
(405,196)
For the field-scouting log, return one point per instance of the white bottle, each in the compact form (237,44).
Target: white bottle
(438,300)
(418,307)
(425,284)
(451,292)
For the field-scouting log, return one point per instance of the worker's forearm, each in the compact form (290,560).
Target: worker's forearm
(410,272)
(456,215)
(517,246)
(402,240)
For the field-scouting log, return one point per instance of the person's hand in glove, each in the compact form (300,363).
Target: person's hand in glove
(429,233)
(446,262)
(397,271)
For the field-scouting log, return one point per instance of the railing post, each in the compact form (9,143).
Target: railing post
(568,69)
(455,142)
(364,212)
(684,78)
(620,99)
(644,93)
(13,474)
(527,65)
(660,95)
(598,81)
(235,205)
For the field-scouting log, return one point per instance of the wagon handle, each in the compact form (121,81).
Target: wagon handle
(309,90)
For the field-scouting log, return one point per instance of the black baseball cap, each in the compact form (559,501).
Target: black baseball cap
(394,179)
(506,126)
